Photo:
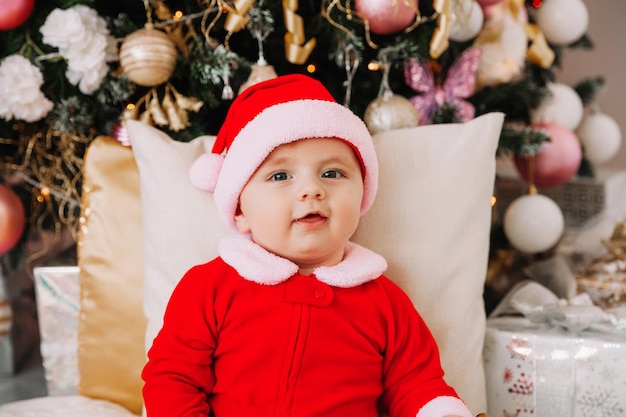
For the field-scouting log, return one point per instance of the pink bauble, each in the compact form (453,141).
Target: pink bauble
(120,133)
(487,3)
(558,159)
(14,12)
(12,219)
(386,17)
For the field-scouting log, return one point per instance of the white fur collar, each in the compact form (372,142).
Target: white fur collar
(256,264)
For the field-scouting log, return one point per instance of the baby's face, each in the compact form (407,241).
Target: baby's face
(303,203)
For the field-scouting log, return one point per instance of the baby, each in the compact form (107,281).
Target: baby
(292,319)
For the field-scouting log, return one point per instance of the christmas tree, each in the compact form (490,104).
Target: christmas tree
(72,70)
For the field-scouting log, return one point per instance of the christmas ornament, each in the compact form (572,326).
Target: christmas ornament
(487,3)
(296,50)
(458,85)
(237,17)
(600,136)
(260,25)
(119,133)
(351,61)
(562,21)
(557,160)
(260,72)
(389,111)
(539,52)
(564,106)
(14,13)
(148,56)
(467,20)
(385,17)
(12,219)
(439,41)
(533,223)
(504,42)
(172,111)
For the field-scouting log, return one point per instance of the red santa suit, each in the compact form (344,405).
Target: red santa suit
(246,335)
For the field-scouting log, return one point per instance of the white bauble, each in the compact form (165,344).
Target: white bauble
(533,223)
(562,21)
(563,106)
(467,20)
(600,136)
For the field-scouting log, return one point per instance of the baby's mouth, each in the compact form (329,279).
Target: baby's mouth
(311,217)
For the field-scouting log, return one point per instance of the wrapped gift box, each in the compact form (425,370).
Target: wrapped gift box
(541,370)
(58,301)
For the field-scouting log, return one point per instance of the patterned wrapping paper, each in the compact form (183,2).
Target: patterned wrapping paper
(6,318)
(545,371)
(58,301)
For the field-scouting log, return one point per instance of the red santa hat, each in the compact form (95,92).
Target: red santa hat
(269,114)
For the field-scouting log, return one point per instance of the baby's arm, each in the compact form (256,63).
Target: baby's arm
(413,378)
(178,376)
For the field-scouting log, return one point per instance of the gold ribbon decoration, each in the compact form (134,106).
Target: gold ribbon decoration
(539,52)
(296,51)
(439,42)
(237,17)
(172,111)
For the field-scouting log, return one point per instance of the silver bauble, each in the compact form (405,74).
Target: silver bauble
(389,112)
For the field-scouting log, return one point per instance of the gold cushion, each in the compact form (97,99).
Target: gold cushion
(111,325)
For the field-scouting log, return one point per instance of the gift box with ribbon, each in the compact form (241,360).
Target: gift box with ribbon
(546,356)
(58,301)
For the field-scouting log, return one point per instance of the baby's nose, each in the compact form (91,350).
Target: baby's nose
(312,189)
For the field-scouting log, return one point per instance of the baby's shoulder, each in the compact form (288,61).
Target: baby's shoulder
(213,272)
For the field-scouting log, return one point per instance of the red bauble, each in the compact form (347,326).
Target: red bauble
(12,219)
(386,17)
(558,159)
(14,12)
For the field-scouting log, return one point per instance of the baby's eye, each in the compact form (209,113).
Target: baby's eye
(279,176)
(332,173)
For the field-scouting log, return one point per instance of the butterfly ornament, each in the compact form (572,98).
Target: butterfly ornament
(457,86)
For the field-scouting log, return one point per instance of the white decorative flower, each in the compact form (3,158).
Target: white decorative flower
(84,41)
(20,94)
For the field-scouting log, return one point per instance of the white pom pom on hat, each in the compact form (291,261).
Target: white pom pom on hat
(269,114)
(205,170)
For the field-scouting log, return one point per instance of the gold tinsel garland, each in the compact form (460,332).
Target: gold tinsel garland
(49,165)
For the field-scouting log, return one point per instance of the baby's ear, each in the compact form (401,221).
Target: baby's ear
(241,222)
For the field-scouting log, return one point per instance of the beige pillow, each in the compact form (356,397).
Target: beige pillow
(431,220)
(180,223)
(111,324)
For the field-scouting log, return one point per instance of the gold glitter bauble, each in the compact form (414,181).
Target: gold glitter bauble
(390,112)
(148,57)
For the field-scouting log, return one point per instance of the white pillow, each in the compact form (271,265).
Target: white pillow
(180,223)
(431,221)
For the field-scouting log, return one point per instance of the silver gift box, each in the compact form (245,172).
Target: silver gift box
(58,302)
